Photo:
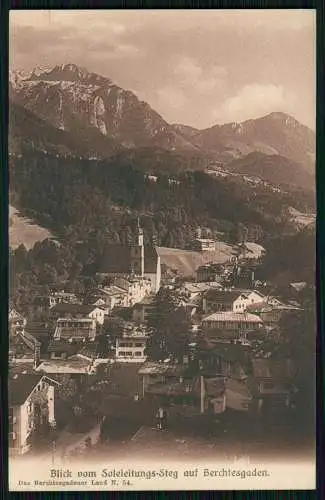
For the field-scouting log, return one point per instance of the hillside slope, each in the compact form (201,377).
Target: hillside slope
(276,169)
(274,134)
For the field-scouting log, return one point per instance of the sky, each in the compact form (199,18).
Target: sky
(196,67)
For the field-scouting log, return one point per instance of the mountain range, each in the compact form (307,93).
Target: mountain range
(68,110)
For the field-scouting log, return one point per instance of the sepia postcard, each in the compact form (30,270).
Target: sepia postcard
(162,307)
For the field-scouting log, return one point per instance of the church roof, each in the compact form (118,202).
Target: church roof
(117,259)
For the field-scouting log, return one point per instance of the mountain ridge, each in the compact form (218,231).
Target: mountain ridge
(69,97)
(94,109)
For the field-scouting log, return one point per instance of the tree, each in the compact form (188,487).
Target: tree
(169,328)
(298,342)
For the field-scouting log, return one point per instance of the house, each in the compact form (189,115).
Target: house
(31,409)
(143,309)
(24,348)
(174,385)
(195,290)
(272,380)
(17,322)
(131,347)
(272,310)
(135,259)
(112,296)
(78,311)
(223,359)
(61,297)
(232,321)
(135,287)
(205,244)
(247,298)
(184,395)
(228,366)
(220,300)
(183,390)
(269,314)
(230,327)
(79,436)
(101,303)
(42,332)
(75,329)
(230,300)
(153,372)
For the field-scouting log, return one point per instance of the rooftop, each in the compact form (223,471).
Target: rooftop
(13,315)
(156,368)
(75,364)
(222,296)
(261,307)
(254,247)
(87,322)
(186,262)
(201,287)
(20,387)
(232,316)
(22,345)
(21,369)
(38,330)
(112,290)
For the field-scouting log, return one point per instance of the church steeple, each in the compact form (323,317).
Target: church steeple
(137,251)
(139,233)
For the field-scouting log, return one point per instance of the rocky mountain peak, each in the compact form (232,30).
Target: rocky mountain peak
(70,97)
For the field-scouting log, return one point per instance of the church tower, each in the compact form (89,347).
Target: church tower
(137,252)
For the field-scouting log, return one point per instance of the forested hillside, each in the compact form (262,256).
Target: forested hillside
(103,196)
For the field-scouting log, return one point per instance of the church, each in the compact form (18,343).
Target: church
(135,260)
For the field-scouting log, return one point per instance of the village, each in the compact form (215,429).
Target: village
(89,379)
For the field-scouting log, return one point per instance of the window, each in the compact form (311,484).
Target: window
(138,344)
(138,353)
